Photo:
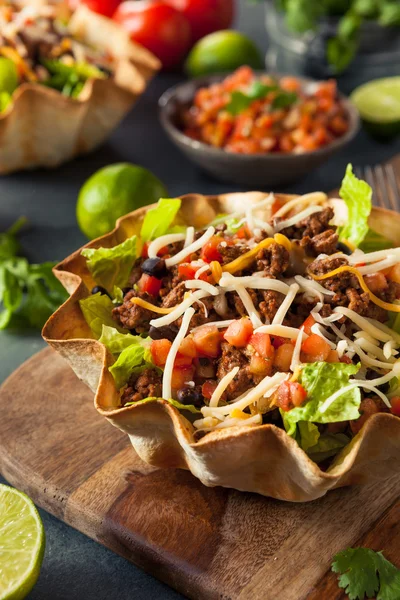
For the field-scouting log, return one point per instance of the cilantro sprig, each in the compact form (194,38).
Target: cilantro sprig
(365,573)
(29,293)
(239,100)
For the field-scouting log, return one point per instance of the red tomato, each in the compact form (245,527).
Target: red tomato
(209,252)
(186,271)
(261,343)
(208,341)
(180,375)
(206,16)
(158,27)
(277,341)
(315,348)
(208,388)
(395,402)
(149,284)
(243,233)
(239,332)
(181,360)
(290,394)
(144,253)
(102,7)
(159,351)
(188,347)
(308,323)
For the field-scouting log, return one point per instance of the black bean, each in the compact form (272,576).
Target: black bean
(190,395)
(344,248)
(155,267)
(125,290)
(98,289)
(168,332)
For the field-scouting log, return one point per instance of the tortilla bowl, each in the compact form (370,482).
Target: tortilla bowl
(43,128)
(262,459)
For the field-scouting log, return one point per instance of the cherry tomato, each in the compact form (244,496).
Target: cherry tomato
(180,375)
(395,402)
(102,7)
(315,349)
(159,351)
(308,323)
(208,341)
(208,388)
(149,284)
(239,332)
(209,252)
(158,27)
(205,16)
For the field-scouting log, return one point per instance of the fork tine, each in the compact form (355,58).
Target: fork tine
(393,184)
(383,186)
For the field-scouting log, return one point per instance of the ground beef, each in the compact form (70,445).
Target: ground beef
(322,243)
(313,225)
(361,304)
(231,252)
(234,357)
(199,318)
(134,317)
(235,305)
(269,302)
(170,281)
(175,296)
(273,260)
(148,384)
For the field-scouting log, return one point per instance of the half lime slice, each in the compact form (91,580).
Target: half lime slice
(22,543)
(378,102)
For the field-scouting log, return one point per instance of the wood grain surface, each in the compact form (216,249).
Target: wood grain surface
(208,543)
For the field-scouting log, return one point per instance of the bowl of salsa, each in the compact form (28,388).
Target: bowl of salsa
(253,128)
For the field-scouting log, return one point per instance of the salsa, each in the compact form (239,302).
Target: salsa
(248,113)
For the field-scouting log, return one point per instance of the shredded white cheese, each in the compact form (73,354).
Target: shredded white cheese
(249,306)
(169,365)
(322,333)
(189,237)
(177,258)
(390,261)
(312,286)
(356,257)
(199,284)
(313,198)
(292,333)
(296,352)
(284,307)
(365,324)
(222,385)
(156,245)
(219,324)
(297,218)
(230,282)
(202,270)
(179,310)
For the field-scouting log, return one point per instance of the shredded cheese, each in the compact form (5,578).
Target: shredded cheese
(282,240)
(292,333)
(284,307)
(152,307)
(169,365)
(222,385)
(372,257)
(259,283)
(177,258)
(162,241)
(313,198)
(199,284)
(294,365)
(365,324)
(216,270)
(244,261)
(219,324)
(189,239)
(322,333)
(178,310)
(249,306)
(379,266)
(202,270)
(313,286)
(375,299)
(297,217)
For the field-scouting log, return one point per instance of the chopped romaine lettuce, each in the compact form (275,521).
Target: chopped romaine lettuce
(374,241)
(159,219)
(308,435)
(177,405)
(357,195)
(97,310)
(111,267)
(69,79)
(133,359)
(321,380)
(116,341)
(328,445)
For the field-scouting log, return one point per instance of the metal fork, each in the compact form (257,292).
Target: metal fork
(384,183)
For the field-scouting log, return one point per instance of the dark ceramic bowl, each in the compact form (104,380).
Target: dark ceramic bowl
(253,170)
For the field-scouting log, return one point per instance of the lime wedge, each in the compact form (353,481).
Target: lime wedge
(378,102)
(22,543)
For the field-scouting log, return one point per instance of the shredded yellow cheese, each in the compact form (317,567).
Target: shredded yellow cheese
(239,414)
(282,240)
(296,374)
(374,299)
(244,261)
(152,307)
(216,270)
(13,55)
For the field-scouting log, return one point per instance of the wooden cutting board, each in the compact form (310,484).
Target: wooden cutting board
(208,543)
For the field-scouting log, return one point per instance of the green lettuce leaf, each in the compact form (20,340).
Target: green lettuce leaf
(175,403)
(308,435)
(328,445)
(321,380)
(116,341)
(97,310)
(357,195)
(159,219)
(374,241)
(111,267)
(133,359)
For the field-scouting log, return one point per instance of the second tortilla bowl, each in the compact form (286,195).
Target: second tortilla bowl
(262,459)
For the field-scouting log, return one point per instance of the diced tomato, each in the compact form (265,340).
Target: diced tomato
(395,402)
(239,332)
(333,357)
(368,407)
(159,351)
(209,252)
(283,357)
(277,341)
(308,323)
(182,361)
(208,388)
(276,205)
(376,282)
(243,233)
(260,366)
(149,284)
(180,375)
(188,347)
(291,84)
(207,341)
(290,394)
(345,359)
(261,343)
(163,251)
(145,248)
(187,271)
(315,348)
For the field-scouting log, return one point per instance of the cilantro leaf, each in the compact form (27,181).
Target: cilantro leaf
(363,572)
(239,101)
(284,100)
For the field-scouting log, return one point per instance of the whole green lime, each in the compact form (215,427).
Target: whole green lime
(112,192)
(378,103)
(222,51)
(8,75)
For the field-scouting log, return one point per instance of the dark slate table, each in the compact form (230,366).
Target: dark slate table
(76,568)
